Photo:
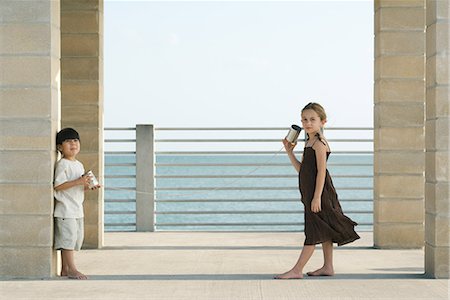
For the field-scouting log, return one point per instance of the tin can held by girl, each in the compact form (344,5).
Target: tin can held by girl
(293,134)
(93,182)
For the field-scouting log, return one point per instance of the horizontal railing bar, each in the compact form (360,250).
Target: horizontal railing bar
(212,153)
(228,128)
(246,164)
(245,212)
(124,176)
(229,224)
(119,212)
(240,224)
(120,165)
(248,188)
(120,140)
(248,128)
(234,140)
(224,229)
(252,200)
(244,152)
(119,224)
(119,128)
(129,188)
(119,200)
(119,152)
(252,176)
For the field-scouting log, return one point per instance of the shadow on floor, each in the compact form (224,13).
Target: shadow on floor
(243,277)
(175,248)
(233,277)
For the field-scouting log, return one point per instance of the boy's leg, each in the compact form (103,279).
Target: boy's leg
(61,242)
(69,237)
(64,266)
(68,258)
(327,268)
(297,271)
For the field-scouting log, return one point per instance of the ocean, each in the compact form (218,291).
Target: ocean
(251,198)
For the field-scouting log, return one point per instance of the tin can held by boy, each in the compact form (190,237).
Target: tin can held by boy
(93,182)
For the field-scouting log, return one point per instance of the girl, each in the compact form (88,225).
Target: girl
(324,221)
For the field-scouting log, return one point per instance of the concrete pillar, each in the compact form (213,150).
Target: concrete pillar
(399,114)
(29,120)
(437,212)
(145,178)
(82,97)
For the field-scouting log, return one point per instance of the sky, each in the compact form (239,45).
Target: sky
(237,64)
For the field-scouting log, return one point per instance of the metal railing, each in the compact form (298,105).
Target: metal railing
(211,189)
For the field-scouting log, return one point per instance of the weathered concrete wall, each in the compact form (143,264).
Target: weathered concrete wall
(82,97)
(399,115)
(29,120)
(437,217)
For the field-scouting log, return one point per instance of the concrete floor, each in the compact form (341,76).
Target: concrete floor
(206,265)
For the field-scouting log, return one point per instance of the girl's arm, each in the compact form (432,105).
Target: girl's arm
(290,152)
(321,161)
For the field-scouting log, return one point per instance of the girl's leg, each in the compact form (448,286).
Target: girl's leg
(327,268)
(73,273)
(297,270)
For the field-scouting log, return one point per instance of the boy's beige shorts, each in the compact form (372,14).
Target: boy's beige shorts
(69,233)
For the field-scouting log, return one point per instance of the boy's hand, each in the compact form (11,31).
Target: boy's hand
(84,180)
(316,205)
(96,187)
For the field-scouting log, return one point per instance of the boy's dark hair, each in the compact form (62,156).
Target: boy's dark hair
(66,134)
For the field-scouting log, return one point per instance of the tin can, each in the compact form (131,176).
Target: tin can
(293,134)
(93,182)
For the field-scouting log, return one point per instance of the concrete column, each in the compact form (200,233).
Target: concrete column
(437,212)
(29,119)
(399,114)
(145,178)
(82,97)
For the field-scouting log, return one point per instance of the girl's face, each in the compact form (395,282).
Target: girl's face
(311,121)
(70,148)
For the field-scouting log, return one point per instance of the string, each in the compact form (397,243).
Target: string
(209,191)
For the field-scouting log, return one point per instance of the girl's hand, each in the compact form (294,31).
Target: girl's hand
(288,146)
(316,205)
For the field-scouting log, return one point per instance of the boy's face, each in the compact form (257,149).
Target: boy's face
(70,148)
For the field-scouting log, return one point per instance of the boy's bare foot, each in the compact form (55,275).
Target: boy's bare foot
(77,275)
(63,273)
(322,272)
(289,275)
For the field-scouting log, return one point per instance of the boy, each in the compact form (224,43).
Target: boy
(69,186)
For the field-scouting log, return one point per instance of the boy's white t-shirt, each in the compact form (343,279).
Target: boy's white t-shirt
(69,202)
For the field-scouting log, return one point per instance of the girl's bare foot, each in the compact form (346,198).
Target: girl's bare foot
(290,275)
(77,275)
(322,272)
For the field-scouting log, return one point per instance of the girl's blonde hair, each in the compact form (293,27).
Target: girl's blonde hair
(320,112)
(317,108)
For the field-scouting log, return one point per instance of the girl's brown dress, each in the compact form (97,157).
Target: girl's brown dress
(330,224)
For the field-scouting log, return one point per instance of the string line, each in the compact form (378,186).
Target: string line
(209,191)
